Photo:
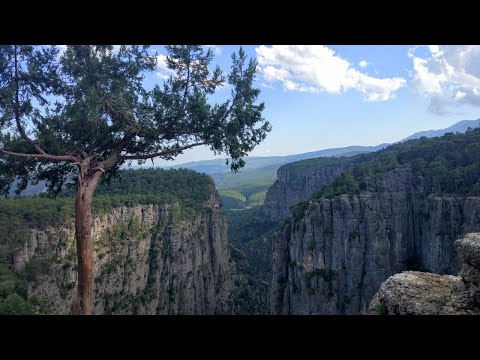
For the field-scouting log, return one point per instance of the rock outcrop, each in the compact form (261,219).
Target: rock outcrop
(295,184)
(149,259)
(420,293)
(334,258)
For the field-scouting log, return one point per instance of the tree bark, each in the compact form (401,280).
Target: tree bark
(83,301)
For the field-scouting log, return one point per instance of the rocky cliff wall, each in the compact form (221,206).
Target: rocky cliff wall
(334,258)
(149,259)
(294,185)
(421,293)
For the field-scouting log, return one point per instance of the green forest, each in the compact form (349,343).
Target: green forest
(450,164)
(127,188)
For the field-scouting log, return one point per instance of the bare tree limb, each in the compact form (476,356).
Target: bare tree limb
(42,156)
(114,155)
(22,132)
(178,131)
(161,153)
(230,109)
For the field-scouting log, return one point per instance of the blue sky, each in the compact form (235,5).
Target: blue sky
(320,97)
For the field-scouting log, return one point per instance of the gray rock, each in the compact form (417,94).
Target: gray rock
(334,259)
(419,293)
(469,249)
(414,293)
(149,259)
(470,274)
(294,186)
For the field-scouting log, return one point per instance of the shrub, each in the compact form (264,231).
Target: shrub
(36,267)
(380,309)
(15,305)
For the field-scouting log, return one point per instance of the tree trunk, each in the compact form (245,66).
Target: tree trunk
(83,302)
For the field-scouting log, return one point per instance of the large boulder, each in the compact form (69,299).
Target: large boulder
(420,293)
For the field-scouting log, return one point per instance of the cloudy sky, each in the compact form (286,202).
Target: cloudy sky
(320,97)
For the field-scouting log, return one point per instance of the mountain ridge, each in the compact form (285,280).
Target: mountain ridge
(215,166)
(460,126)
(269,165)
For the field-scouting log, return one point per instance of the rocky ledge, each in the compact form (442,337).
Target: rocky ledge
(419,293)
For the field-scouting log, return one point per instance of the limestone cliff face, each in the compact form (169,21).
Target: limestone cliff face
(421,293)
(149,259)
(334,258)
(294,185)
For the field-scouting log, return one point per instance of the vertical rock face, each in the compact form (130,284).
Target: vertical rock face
(295,185)
(149,259)
(420,293)
(334,258)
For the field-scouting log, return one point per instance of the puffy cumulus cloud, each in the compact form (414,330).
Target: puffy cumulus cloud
(316,68)
(449,74)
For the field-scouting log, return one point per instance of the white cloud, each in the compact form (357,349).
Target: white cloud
(162,75)
(163,71)
(316,68)
(363,64)
(425,80)
(434,49)
(449,74)
(459,95)
(162,61)
(266,86)
(216,48)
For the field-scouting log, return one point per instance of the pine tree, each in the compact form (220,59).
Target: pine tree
(80,115)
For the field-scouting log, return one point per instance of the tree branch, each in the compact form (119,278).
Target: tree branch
(114,155)
(22,132)
(177,131)
(162,153)
(42,156)
(109,107)
(187,83)
(230,109)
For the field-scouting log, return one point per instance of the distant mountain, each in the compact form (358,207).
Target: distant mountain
(30,190)
(217,166)
(264,168)
(460,127)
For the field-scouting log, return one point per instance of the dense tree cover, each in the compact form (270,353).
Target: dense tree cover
(450,163)
(127,188)
(186,186)
(250,245)
(299,167)
(13,293)
(248,233)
